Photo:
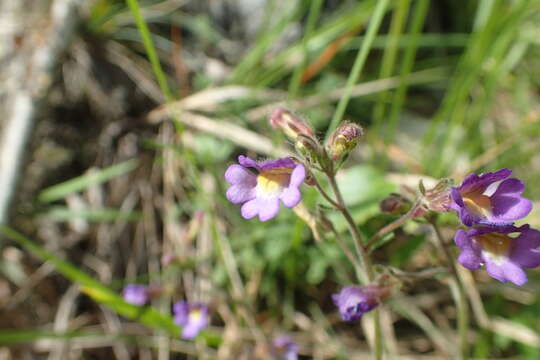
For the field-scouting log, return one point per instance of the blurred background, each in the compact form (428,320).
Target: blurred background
(112,156)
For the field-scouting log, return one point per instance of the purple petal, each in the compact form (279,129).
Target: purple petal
(506,271)
(250,209)
(507,202)
(457,202)
(524,251)
(461,239)
(181,313)
(279,163)
(192,329)
(268,208)
(468,218)
(136,294)
(480,183)
(297,176)
(190,332)
(470,253)
(248,162)
(237,174)
(240,193)
(290,197)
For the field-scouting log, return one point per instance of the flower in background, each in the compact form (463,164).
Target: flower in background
(262,190)
(354,301)
(504,256)
(136,294)
(192,317)
(490,198)
(284,348)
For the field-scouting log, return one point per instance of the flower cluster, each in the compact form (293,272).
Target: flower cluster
(488,204)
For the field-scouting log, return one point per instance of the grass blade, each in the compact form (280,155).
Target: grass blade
(358,65)
(59,191)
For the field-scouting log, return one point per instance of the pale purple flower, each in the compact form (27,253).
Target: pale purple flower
(504,254)
(284,348)
(260,186)
(136,294)
(192,317)
(353,301)
(490,198)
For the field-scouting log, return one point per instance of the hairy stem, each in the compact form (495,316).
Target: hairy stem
(367,273)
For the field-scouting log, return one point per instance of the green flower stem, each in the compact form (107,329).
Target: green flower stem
(325,194)
(458,290)
(367,274)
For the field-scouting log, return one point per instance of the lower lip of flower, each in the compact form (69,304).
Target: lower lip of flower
(270,182)
(495,246)
(478,204)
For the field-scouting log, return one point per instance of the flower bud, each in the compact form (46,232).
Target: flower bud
(344,140)
(291,124)
(395,204)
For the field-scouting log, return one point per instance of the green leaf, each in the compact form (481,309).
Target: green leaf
(59,191)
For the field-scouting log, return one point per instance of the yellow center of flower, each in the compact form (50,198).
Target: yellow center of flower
(478,204)
(195,315)
(494,245)
(271,181)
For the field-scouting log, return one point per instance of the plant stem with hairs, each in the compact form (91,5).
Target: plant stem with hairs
(367,274)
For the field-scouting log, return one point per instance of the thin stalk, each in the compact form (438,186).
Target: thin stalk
(150,49)
(458,291)
(325,194)
(392,226)
(361,57)
(367,273)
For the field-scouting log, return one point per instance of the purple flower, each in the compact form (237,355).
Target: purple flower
(503,255)
(261,190)
(136,294)
(284,348)
(353,301)
(193,317)
(490,198)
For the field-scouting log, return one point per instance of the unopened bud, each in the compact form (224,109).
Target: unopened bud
(291,124)
(344,140)
(395,204)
